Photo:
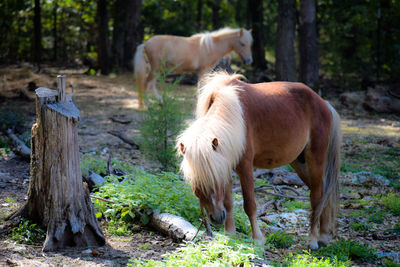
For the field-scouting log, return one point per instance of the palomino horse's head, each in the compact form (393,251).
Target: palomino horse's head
(242,46)
(206,179)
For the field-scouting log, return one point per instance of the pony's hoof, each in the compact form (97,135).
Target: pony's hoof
(313,245)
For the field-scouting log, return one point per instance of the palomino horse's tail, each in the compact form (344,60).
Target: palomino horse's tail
(140,72)
(328,206)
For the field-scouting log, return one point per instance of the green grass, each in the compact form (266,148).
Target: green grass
(293,205)
(361,226)
(221,251)
(391,202)
(369,156)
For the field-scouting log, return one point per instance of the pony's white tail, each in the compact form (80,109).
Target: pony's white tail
(329,204)
(140,72)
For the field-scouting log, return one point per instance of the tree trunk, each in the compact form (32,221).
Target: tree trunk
(255,9)
(308,44)
(215,7)
(103,45)
(134,32)
(120,13)
(37,39)
(199,17)
(55,7)
(57,198)
(285,66)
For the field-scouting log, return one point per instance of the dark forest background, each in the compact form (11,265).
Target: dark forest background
(349,43)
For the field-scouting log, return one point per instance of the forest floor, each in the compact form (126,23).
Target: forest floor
(370,141)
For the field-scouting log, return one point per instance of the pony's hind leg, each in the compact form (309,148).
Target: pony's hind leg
(245,174)
(311,175)
(228,203)
(151,82)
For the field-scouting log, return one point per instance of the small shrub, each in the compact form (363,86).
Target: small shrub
(27,233)
(280,239)
(162,123)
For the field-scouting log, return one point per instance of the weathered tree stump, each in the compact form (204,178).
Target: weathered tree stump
(57,197)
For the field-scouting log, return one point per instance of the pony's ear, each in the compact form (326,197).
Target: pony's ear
(241,32)
(182,148)
(215,143)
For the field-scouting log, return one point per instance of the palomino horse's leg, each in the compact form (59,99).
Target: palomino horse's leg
(151,82)
(245,173)
(228,204)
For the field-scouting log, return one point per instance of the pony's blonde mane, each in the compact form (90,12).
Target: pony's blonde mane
(219,115)
(206,38)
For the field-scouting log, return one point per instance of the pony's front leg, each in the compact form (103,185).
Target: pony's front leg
(228,204)
(245,173)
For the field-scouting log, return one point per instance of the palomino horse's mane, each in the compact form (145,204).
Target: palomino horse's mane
(219,115)
(206,38)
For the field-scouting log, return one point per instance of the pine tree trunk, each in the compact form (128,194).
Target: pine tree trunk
(285,66)
(103,42)
(255,10)
(134,32)
(308,44)
(37,39)
(57,197)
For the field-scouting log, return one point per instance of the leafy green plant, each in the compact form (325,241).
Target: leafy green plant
(221,251)
(308,260)
(162,122)
(165,192)
(280,239)
(347,250)
(27,233)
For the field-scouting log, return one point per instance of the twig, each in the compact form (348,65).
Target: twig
(198,230)
(109,165)
(265,206)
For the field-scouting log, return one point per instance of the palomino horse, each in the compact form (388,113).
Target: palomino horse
(198,53)
(266,125)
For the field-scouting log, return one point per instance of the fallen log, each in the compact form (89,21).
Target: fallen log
(19,146)
(174,226)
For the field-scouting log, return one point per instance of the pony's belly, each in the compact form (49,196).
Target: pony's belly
(266,162)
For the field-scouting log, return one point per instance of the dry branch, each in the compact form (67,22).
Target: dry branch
(19,146)
(124,138)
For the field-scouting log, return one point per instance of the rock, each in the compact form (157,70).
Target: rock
(365,178)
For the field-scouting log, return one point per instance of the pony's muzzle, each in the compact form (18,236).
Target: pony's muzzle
(218,218)
(248,60)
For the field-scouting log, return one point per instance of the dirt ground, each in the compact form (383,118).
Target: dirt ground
(99,98)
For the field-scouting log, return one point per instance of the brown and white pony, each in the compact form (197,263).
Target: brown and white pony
(198,53)
(239,126)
